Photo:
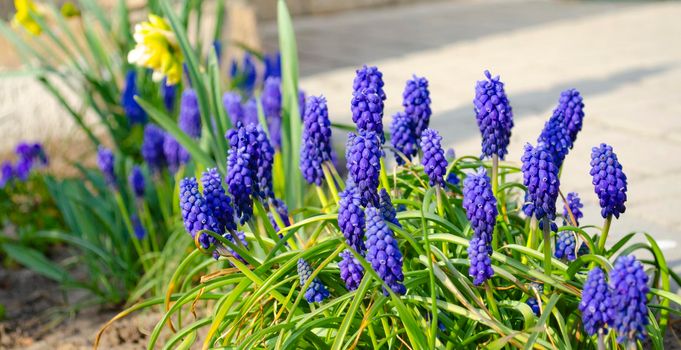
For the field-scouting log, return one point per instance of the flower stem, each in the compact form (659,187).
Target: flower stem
(546,227)
(489,293)
(495,188)
(131,231)
(441,212)
(384,176)
(604,234)
(330,181)
(601,340)
(322,197)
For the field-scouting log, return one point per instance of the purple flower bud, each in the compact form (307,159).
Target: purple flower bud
(540,176)
(494,116)
(565,246)
(134,112)
(403,137)
(351,217)
(282,210)
(152,147)
(136,180)
(367,111)
(369,78)
(480,263)
(480,205)
(575,205)
(433,161)
(417,103)
(610,183)
(316,292)
(244,76)
(6,173)
(196,213)
(571,105)
(232,103)
(387,209)
(175,155)
(217,200)
(105,161)
(383,253)
(629,285)
(316,147)
(190,115)
(271,104)
(556,138)
(596,304)
(250,112)
(272,65)
(363,155)
(168,92)
(138,229)
(351,271)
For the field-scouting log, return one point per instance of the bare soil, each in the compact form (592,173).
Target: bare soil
(39,317)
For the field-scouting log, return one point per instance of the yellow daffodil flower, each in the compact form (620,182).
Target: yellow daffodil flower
(158,49)
(22,18)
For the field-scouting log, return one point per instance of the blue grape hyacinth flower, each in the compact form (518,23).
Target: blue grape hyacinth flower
(196,213)
(534,305)
(386,208)
(134,112)
(136,180)
(575,205)
(272,65)
(137,227)
(596,304)
(363,156)
(250,112)
(383,253)
(264,164)
(480,262)
(282,211)
(189,119)
(6,173)
(572,107)
(369,77)
(610,182)
(480,204)
(494,116)
(242,163)
(351,219)
(152,147)
(416,102)
(219,203)
(316,146)
(175,155)
(271,105)
(244,75)
(566,246)
(403,137)
(316,292)
(367,112)
(168,93)
(105,161)
(540,176)
(232,103)
(351,271)
(629,285)
(556,138)
(434,162)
